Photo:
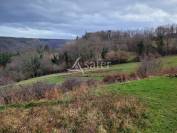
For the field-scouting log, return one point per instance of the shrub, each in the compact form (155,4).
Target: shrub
(75,83)
(149,66)
(47,66)
(123,56)
(170,72)
(120,77)
(71,84)
(27,93)
(53,93)
(117,57)
(31,66)
(134,76)
(4,77)
(41,90)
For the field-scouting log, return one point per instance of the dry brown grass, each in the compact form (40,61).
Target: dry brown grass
(85,113)
(120,77)
(171,72)
(21,94)
(41,90)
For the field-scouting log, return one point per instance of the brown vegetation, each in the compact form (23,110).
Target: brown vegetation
(149,66)
(41,90)
(170,72)
(120,77)
(116,57)
(85,113)
(75,83)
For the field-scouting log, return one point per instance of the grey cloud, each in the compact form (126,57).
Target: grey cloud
(69,18)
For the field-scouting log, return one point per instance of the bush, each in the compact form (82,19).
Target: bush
(134,76)
(4,77)
(149,66)
(117,57)
(40,90)
(48,67)
(27,93)
(170,72)
(5,80)
(75,83)
(120,77)
(123,56)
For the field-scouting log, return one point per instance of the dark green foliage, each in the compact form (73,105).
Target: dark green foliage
(141,48)
(66,58)
(104,52)
(160,45)
(4,58)
(55,59)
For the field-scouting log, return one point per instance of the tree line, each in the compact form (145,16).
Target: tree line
(113,46)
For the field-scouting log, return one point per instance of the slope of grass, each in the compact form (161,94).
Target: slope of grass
(160,95)
(168,61)
(54,78)
(98,74)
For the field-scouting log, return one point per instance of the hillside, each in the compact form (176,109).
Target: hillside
(155,110)
(168,62)
(11,44)
(159,94)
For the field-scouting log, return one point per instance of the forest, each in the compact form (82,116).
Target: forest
(114,46)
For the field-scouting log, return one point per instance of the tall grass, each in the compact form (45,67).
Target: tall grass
(85,113)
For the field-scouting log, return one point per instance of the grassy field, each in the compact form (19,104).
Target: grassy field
(98,74)
(160,96)
(169,61)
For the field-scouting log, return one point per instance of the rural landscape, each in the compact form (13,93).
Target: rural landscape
(95,80)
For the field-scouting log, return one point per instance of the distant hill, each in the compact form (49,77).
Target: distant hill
(12,44)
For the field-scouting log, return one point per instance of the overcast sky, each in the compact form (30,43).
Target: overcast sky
(69,18)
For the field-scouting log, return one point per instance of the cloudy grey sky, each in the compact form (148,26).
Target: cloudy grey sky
(69,18)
